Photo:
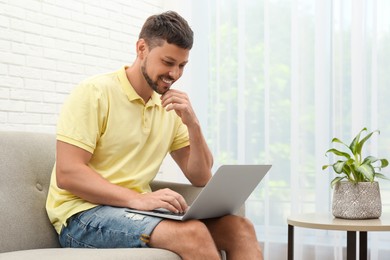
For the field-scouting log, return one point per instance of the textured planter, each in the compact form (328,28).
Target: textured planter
(356,200)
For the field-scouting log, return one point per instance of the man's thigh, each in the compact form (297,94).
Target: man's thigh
(108,227)
(227,229)
(179,235)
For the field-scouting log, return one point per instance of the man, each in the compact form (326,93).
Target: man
(112,135)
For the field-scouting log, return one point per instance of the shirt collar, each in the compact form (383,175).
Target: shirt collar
(132,95)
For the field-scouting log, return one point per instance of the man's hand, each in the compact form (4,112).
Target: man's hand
(177,100)
(164,198)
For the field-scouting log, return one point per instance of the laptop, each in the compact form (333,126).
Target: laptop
(224,194)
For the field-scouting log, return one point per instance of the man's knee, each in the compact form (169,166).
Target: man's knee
(236,227)
(237,221)
(191,231)
(187,236)
(243,223)
(195,230)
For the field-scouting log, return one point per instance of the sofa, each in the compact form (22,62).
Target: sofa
(26,161)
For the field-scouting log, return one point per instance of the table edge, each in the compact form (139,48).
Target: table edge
(294,220)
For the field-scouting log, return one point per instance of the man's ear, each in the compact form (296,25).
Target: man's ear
(142,48)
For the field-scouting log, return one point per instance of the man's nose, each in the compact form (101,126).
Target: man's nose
(175,73)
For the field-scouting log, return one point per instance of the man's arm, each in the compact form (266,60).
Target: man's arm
(74,175)
(195,160)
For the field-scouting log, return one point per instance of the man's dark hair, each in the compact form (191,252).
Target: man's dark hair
(168,26)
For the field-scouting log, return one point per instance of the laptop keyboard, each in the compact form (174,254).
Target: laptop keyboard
(165,211)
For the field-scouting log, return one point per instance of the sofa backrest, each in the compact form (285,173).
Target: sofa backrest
(26,162)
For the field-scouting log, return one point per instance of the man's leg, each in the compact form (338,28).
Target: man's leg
(107,227)
(236,235)
(111,227)
(190,239)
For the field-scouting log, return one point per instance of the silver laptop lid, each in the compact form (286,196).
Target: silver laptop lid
(227,191)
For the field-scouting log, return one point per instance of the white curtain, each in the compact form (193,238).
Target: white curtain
(275,81)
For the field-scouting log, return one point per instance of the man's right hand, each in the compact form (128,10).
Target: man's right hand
(163,198)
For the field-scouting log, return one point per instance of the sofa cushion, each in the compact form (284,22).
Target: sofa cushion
(91,254)
(26,162)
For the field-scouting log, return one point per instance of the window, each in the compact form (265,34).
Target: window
(282,78)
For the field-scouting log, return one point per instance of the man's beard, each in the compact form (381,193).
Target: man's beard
(152,85)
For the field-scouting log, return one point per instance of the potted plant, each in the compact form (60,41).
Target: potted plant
(356,192)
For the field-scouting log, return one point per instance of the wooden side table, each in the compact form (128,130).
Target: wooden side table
(329,222)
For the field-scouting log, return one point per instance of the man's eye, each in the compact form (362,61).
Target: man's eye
(168,63)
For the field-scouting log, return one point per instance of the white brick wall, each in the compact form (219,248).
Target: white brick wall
(48,46)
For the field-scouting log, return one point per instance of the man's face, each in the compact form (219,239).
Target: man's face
(163,65)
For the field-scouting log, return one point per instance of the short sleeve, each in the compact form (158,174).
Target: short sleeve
(181,138)
(82,118)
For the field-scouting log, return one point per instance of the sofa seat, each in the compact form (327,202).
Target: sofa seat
(92,254)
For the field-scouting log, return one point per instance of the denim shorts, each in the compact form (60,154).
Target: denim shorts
(107,227)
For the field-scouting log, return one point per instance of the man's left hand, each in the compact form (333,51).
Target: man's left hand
(179,102)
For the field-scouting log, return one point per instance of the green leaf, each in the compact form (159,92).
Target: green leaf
(336,140)
(371,160)
(367,171)
(338,166)
(384,163)
(338,153)
(355,142)
(381,176)
(361,143)
(336,180)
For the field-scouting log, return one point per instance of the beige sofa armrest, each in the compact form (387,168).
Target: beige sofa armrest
(188,191)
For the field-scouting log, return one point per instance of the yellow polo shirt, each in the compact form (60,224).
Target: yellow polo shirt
(128,139)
